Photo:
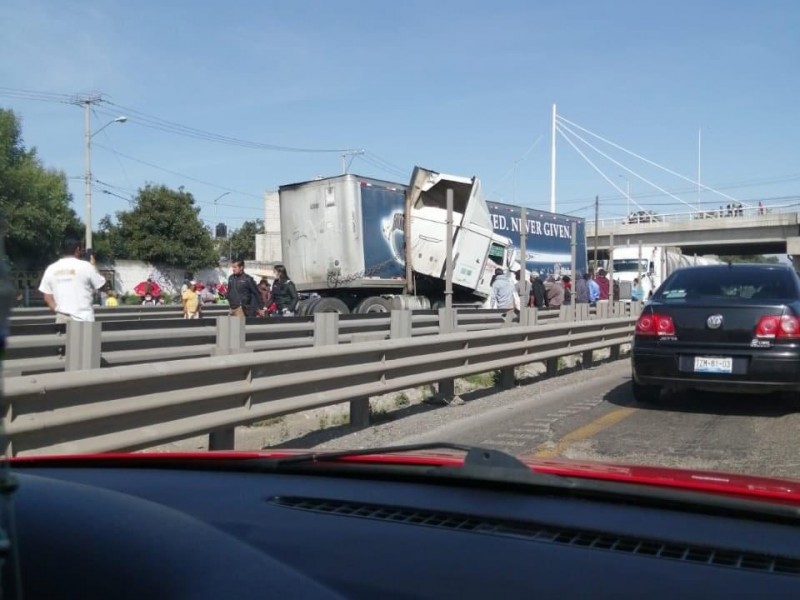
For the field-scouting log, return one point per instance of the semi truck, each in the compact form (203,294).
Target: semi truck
(343,242)
(652,264)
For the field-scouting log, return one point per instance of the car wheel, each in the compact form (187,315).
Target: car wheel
(646,394)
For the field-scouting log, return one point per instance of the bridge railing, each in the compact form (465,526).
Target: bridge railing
(140,406)
(722,214)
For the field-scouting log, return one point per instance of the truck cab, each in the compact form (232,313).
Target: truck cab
(477,249)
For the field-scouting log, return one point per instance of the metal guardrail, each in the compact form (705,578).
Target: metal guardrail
(33,316)
(47,347)
(140,406)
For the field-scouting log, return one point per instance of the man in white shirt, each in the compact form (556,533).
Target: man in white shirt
(69,284)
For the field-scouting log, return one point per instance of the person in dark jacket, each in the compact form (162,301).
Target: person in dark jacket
(538,296)
(243,295)
(284,293)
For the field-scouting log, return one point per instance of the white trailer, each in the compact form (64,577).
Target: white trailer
(652,264)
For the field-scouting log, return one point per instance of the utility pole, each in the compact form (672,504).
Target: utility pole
(88,102)
(699,141)
(553,163)
(596,236)
(350,153)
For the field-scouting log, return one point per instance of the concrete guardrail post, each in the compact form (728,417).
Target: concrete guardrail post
(448,323)
(551,364)
(527,316)
(582,312)
(83,345)
(230,340)
(400,324)
(326,333)
(230,336)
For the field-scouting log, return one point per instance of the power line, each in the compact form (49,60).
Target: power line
(160,168)
(167,126)
(384,167)
(22,94)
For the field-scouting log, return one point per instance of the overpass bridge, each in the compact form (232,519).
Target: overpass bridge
(755,230)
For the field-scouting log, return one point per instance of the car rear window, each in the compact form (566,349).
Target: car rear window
(741,284)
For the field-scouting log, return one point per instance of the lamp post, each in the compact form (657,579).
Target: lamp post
(627,196)
(87,177)
(215,205)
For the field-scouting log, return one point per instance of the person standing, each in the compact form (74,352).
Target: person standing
(555,292)
(582,289)
(243,295)
(538,297)
(69,285)
(502,291)
(594,289)
(637,291)
(604,284)
(191,302)
(284,293)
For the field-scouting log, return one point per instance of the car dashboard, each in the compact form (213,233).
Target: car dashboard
(107,532)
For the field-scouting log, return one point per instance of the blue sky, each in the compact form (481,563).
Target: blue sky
(458,86)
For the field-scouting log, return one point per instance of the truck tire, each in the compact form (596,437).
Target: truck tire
(305,307)
(373,304)
(411,303)
(329,305)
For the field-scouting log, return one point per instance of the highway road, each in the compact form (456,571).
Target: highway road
(592,415)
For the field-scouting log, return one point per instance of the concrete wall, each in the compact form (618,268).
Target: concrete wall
(268,244)
(128,273)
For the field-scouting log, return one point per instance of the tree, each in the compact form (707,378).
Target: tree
(241,243)
(34,200)
(163,227)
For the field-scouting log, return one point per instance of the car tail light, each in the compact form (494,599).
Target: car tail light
(776,326)
(655,324)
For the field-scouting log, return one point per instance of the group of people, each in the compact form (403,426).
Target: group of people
(555,292)
(69,286)
(248,299)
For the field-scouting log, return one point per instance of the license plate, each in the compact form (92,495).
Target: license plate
(709,364)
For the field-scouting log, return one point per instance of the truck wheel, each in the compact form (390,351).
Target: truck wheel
(329,305)
(404,302)
(373,304)
(646,394)
(305,307)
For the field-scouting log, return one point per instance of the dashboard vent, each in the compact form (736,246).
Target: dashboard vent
(544,533)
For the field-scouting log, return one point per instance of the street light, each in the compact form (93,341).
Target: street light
(215,203)
(627,196)
(87,139)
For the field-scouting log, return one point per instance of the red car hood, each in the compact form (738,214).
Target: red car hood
(783,491)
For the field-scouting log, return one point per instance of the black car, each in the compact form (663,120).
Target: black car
(723,328)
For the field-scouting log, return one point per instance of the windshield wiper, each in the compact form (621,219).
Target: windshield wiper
(475,455)
(484,466)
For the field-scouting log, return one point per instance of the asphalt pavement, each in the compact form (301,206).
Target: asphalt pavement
(596,418)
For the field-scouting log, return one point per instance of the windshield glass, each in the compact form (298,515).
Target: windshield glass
(210,242)
(629,265)
(739,284)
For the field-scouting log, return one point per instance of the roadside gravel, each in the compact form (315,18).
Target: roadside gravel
(401,415)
